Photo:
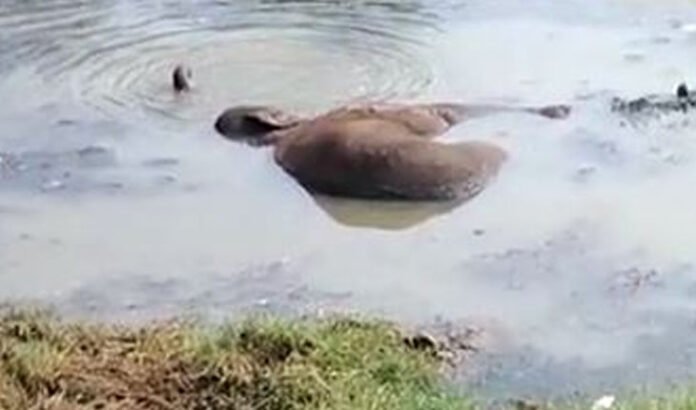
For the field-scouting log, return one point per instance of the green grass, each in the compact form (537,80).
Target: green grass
(265,364)
(261,364)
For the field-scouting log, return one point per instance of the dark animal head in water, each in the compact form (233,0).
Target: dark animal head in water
(556,112)
(657,105)
(682,91)
(181,78)
(253,124)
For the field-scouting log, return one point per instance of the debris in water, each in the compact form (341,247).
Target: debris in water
(421,341)
(53,185)
(585,171)
(634,57)
(604,403)
(523,404)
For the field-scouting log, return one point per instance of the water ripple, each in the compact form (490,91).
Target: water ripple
(116,56)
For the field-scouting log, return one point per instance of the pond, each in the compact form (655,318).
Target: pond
(119,201)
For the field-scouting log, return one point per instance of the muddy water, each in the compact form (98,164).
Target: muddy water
(117,199)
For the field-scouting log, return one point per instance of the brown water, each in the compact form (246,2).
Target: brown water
(117,199)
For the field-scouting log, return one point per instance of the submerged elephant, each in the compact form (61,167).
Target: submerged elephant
(376,151)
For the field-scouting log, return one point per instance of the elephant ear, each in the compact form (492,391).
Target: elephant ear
(251,123)
(274,118)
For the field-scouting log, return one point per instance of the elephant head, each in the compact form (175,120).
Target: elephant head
(253,124)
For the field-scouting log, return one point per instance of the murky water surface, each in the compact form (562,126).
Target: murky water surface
(117,199)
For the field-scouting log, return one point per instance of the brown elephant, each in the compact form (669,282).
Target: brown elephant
(377,151)
(380,151)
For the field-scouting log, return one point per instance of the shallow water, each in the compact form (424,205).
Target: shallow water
(118,200)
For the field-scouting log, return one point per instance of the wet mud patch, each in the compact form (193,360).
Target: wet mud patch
(67,171)
(88,170)
(663,359)
(274,288)
(586,319)
(71,152)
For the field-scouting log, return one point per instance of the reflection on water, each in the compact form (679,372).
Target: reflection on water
(391,215)
(118,199)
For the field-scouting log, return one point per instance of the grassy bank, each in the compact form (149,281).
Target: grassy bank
(333,364)
(46,364)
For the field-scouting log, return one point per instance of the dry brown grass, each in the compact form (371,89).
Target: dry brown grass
(336,364)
